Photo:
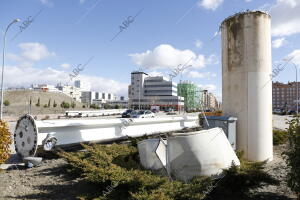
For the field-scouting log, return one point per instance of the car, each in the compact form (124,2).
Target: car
(143,114)
(127,113)
(291,112)
(278,111)
(169,110)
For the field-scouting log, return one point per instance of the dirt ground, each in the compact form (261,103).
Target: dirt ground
(50,181)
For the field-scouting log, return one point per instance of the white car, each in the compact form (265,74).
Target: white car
(143,114)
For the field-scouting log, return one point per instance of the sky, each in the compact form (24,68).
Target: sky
(108,39)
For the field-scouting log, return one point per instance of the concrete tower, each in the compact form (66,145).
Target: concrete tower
(247,85)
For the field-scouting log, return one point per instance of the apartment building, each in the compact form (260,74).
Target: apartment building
(145,91)
(285,95)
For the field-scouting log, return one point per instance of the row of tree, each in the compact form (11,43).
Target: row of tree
(62,105)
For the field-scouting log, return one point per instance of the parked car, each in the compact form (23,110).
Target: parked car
(127,113)
(291,112)
(143,114)
(154,111)
(169,110)
(278,111)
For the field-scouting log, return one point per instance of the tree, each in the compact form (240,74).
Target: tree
(54,104)
(6,103)
(73,105)
(38,103)
(49,103)
(292,156)
(117,106)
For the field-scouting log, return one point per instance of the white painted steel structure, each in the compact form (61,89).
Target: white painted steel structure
(247,85)
(31,134)
(201,153)
(92,113)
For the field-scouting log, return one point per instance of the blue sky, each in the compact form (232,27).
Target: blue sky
(165,34)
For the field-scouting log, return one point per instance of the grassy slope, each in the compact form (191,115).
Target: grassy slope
(19,102)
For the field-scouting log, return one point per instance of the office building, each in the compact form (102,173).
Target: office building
(145,91)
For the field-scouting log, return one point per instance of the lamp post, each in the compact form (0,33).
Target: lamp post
(297,92)
(3,61)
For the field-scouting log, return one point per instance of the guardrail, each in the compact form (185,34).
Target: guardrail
(31,134)
(92,113)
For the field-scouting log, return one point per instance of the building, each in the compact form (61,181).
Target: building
(98,98)
(192,95)
(212,102)
(82,85)
(44,88)
(284,96)
(71,91)
(145,91)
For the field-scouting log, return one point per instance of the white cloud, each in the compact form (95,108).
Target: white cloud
(165,56)
(34,51)
(295,55)
(81,1)
(212,60)
(210,4)
(65,65)
(209,87)
(248,0)
(155,73)
(285,17)
(198,44)
(32,75)
(47,2)
(278,42)
(195,74)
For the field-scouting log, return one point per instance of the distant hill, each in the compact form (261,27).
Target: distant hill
(19,102)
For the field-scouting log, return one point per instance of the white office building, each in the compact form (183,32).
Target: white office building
(145,91)
(71,91)
(91,97)
(82,85)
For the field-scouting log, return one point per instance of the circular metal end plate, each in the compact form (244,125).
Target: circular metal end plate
(25,136)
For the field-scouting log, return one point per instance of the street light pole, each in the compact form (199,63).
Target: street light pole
(3,61)
(297,92)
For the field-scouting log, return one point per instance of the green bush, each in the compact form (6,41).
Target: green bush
(292,155)
(6,103)
(238,181)
(65,105)
(5,141)
(279,137)
(116,172)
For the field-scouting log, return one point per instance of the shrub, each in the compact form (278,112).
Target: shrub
(45,106)
(65,105)
(292,156)
(73,105)
(238,181)
(279,137)
(6,103)
(83,106)
(116,172)
(5,141)
(54,104)
(38,103)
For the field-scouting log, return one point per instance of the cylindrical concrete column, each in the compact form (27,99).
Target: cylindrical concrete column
(247,85)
